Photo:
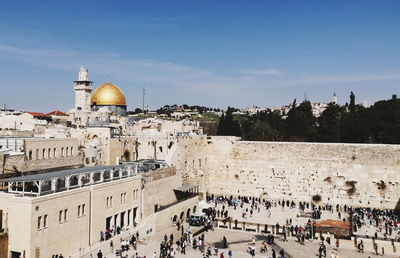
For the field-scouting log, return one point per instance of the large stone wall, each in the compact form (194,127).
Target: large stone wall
(355,174)
(132,148)
(160,192)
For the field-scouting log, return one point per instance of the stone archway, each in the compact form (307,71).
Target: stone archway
(182,215)
(188,213)
(175,218)
(194,208)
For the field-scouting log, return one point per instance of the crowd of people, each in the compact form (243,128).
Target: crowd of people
(384,222)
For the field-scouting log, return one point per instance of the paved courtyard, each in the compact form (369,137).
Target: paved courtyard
(277,214)
(238,240)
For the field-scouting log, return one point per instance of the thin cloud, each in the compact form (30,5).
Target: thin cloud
(324,79)
(263,72)
(173,78)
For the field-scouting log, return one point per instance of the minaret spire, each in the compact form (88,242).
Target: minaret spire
(83,89)
(334,99)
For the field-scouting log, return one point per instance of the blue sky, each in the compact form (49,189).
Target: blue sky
(212,53)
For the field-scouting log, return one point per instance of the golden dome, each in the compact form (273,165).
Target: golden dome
(108,95)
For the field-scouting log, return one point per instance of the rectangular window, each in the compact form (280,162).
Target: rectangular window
(79,210)
(83,209)
(62,152)
(66,151)
(122,198)
(72,148)
(65,215)
(199,163)
(37,153)
(111,202)
(44,154)
(45,221)
(39,223)
(60,216)
(49,153)
(54,152)
(30,155)
(107,204)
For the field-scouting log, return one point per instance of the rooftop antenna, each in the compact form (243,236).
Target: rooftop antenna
(305,96)
(143,97)
(108,78)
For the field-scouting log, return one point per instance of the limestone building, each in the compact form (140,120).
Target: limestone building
(69,212)
(27,154)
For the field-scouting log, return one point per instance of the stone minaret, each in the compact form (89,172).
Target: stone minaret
(83,90)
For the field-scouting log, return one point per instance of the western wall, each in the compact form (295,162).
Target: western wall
(365,175)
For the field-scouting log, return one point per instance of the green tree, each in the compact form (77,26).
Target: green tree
(329,124)
(221,125)
(385,121)
(352,105)
(301,123)
(355,126)
(227,125)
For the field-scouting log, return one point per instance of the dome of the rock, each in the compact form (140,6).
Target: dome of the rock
(108,95)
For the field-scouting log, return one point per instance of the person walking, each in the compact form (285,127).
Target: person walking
(282,253)
(183,247)
(99,254)
(230,253)
(320,251)
(361,247)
